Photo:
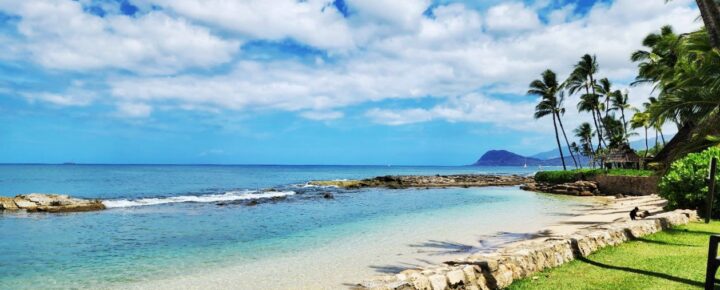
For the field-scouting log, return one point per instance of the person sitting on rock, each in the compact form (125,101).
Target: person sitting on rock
(633,213)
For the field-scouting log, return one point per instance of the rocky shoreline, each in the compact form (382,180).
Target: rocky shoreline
(578,188)
(40,202)
(432,181)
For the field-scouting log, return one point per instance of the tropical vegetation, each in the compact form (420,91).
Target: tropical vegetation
(685,185)
(684,72)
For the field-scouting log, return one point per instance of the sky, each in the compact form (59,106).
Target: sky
(412,82)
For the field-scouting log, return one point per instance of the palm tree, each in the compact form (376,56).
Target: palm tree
(585,133)
(641,119)
(604,88)
(583,77)
(576,150)
(620,103)
(547,89)
(561,111)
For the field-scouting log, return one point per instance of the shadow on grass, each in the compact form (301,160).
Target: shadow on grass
(690,232)
(644,240)
(642,272)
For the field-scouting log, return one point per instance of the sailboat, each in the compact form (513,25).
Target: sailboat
(525,166)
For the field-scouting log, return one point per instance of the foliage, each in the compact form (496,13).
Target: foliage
(672,259)
(562,176)
(566,176)
(685,186)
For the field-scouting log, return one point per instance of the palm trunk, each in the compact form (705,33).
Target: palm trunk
(566,140)
(597,126)
(646,142)
(711,18)
(592,156)
(625,134)
(663,137)
(601,129)
(656,139)
(557,138)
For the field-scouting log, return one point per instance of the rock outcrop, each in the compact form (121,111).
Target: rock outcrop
(412,181)
(49,203)
(579,188)
(483,271)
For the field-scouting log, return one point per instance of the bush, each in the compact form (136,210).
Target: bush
(556,177)
(685,186)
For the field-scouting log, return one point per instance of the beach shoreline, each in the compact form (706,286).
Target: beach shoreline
(591,211)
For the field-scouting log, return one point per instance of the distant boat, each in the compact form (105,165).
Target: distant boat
(525,166)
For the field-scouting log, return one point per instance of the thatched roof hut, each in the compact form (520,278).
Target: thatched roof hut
(622,157)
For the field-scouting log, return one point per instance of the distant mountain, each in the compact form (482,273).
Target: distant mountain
(507,158)
(547,158)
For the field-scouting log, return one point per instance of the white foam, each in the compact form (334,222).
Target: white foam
(228,196)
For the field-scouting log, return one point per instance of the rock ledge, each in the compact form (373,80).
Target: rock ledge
(49,203)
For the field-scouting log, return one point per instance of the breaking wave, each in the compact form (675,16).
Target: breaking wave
(228,196)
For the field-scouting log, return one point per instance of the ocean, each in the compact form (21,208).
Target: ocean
(190,226)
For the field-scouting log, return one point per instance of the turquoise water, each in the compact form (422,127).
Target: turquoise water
(150,233)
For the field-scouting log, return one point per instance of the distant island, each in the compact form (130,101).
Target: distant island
(507,158)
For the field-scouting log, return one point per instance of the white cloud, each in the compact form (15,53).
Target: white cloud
(511,17)
(133,110)
(313,22)
(62,100)
(61,35)
(468,108)
(390,50)
(322,115)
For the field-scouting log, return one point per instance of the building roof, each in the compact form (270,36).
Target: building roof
(622,154)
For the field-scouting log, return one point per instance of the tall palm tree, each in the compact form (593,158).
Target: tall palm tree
(604,89)
(583,77)
(641,119)
(620,103)
(585,133)
(547,89)
(576,150)
(560,110)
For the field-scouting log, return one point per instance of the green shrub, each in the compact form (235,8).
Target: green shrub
(566,176)
(685,186)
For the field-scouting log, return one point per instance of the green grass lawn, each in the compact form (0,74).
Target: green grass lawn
(673,259)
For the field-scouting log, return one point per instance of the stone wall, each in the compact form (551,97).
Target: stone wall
(498,270)
(626,185)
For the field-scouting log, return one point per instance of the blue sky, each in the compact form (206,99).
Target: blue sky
(300,82)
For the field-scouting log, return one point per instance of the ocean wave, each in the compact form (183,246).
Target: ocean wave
(228,196)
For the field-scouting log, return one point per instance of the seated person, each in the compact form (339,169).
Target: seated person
(634,213)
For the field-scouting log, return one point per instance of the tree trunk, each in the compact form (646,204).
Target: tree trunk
(625,134)
(602,128)
(592,157)
(663,137)
(566,140)
(711,18)
(557,138)
(646,142)
(597,126)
